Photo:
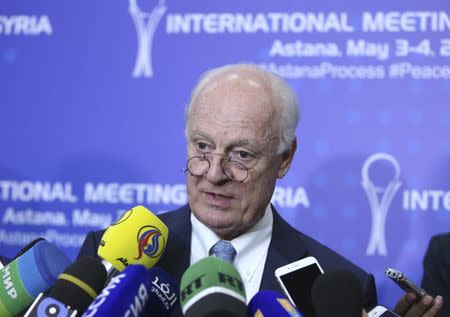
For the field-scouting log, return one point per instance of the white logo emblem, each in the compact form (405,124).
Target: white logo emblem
(146,23)
(379,207)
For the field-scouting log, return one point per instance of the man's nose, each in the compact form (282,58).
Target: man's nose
(215,173)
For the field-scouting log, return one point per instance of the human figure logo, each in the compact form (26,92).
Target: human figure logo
(146,24)
(379,206)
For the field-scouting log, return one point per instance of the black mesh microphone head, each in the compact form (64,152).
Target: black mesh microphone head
(80,283)
(337,293)
(27,247)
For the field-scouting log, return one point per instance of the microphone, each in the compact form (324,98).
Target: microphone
(267,303)
(136,291)
(28,247)
(337,293)
(73,291)
(212,288)
(126,291)
(28,275)
(49,307)
(165,293)
(138,237)
(4,260)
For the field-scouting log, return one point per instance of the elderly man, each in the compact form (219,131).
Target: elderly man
(240,131)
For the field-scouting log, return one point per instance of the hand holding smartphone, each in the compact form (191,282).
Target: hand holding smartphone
(296,280)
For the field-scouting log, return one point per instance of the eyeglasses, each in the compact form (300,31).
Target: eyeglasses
(199,166)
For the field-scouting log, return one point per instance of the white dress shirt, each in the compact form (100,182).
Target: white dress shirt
(251,249)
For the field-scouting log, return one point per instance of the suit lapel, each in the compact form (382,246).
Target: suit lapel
(177,255)
(286,246)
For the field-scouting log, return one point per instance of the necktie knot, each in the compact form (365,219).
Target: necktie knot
(224,250)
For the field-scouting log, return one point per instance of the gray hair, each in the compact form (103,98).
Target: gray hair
(290,112)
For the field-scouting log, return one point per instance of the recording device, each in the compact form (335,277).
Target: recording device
(138,237)
(28,247)
(33,272)
(73,291)
(271,304)
(136,291)
(405,284)
(165,293)
(45,306)
(380,311)
(212,288)
(296,280)
(127,291)
(337,293)
(4,260)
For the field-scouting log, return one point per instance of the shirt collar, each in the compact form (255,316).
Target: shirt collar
(251,247)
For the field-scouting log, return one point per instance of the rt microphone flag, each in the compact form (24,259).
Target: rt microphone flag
(138,237)
(212,288)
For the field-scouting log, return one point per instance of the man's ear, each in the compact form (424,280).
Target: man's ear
(286,159)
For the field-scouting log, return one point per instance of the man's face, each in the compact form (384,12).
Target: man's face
(234,119)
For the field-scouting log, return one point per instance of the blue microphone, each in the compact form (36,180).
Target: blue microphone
(33,272)
(165,293)
(4,260)
(127,291)
(267,303)
(28,247)
(136,291)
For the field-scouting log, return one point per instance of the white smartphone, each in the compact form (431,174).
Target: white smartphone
(380,311)
(296,280)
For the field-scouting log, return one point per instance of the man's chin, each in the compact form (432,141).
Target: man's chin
(225,233)
(217,224)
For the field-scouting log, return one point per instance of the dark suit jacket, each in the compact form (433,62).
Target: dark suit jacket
(436,270)
(287,245)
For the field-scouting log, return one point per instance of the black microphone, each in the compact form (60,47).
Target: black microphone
(73,291)
(337,293)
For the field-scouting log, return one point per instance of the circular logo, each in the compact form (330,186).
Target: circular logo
(150,242)
(52,308)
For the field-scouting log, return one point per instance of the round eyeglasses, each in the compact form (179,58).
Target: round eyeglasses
(199,166)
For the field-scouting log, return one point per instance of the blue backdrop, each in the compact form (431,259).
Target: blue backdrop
(91,116)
